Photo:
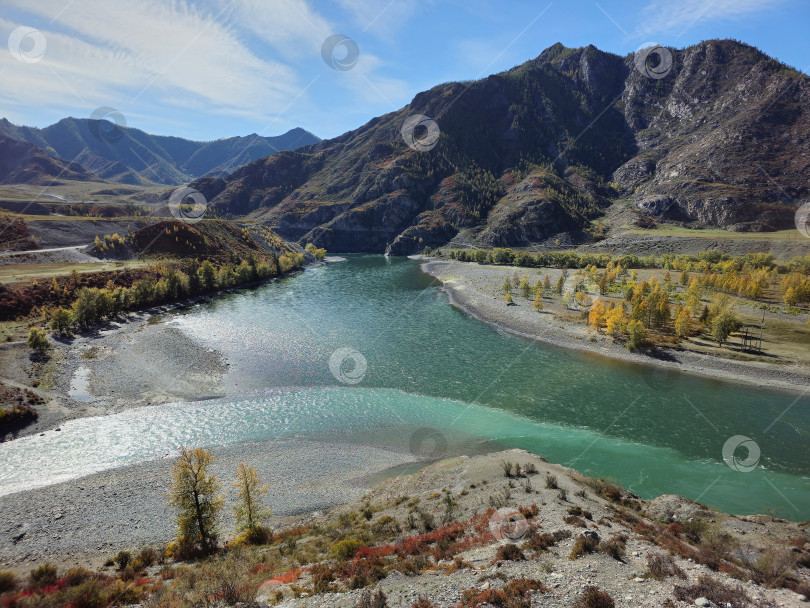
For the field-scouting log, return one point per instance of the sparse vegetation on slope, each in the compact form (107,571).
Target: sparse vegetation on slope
(385,550)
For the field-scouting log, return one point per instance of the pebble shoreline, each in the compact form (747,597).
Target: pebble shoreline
(471,288)
(88,519)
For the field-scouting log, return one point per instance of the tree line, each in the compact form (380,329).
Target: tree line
(647,306)
(168,283)
(748,276)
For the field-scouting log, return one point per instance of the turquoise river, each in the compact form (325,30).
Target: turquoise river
(415,373)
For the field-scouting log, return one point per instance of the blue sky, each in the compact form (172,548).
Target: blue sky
(214,68)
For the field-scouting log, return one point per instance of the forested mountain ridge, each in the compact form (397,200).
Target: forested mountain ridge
(539,151)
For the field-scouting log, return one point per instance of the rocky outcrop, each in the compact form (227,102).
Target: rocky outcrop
(719,138)
(670,507)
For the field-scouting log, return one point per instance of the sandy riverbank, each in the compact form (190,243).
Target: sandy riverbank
(130,362)
(87,520)
(138,361)
(474,289)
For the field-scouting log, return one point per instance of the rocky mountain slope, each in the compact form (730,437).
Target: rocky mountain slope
(532,155)
(467,532)
(25,163)
(131,156)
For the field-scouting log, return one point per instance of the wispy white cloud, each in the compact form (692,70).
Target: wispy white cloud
(114,52)
(240,58)
(381,18)
(291,27)
(666,17)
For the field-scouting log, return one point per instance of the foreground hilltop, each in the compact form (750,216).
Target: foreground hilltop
(534,155)
(506,529)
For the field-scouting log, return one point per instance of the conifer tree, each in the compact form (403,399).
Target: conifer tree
(196,499)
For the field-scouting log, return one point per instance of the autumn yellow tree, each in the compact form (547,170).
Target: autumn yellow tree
(525,288)
(538,302)
(596,316)
(251,513)
(683,322)
(616,321)
(692,297)
(196,499)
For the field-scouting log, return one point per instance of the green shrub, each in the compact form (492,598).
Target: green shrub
(88,594)
(76,576)
(345,549)
(772,567)
(42,576)
(8,582)
(123,559)
(62,321)
(636,335)
(148,556)
(38,340)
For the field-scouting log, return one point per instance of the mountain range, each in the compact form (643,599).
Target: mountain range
(22,162)
(131,156)
(714,135)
